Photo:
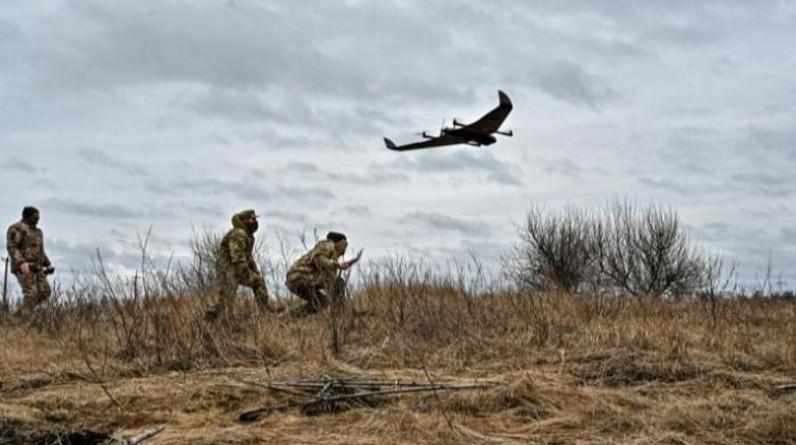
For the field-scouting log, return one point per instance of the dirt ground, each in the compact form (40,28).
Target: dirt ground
(550,403)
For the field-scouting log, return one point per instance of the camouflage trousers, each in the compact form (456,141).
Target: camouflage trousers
(227,283)
(35,290)
(316,291)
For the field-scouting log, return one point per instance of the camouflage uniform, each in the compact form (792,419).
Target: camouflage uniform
(313,277)
(25,244)
(235,265)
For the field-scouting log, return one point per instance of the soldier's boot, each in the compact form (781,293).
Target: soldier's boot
(262,303)
(215,311)
(211,313)
(319,301)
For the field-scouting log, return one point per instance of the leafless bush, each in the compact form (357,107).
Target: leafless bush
(554,252)
(646,251)
(622,249)
(199,275)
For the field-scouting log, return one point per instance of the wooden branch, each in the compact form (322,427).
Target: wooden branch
(786,387)
(251,416)
(314,385)
(146,435)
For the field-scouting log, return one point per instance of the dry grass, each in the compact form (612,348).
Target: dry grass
(573,369)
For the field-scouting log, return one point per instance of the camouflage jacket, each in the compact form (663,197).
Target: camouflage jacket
(25,244)
(321,260)
(237,250)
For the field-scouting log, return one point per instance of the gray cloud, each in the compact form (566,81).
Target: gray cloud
(571,83)
(102,159)
(695,104)
(137,44)
(304,193)
(376,176)
(776,142)
(459,162)
(713,231)
(289,217)
(66,256)
(767,184)
(81,257)
(359,211)
(666,184)
(90,210)
(564,167)
(440,223)
(17,164)
(230,104)
(202,211)
(209,187)
(303,167)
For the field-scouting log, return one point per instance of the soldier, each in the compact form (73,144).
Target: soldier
(25,244)
(235,265)
(313,277)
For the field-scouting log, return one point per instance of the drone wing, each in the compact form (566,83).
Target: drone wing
(492,121)
(433,142)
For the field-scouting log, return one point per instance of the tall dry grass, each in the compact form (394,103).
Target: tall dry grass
(576,368)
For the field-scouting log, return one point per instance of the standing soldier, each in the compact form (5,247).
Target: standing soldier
(235,265)
(313,277)
(25,244)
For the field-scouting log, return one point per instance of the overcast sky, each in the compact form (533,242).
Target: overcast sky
(118,116)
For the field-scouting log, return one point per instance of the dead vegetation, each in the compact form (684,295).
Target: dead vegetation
(128,355)
(114,357)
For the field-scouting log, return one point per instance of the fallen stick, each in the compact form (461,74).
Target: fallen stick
(787,387)
(146,435)
(251,416)
(313,385)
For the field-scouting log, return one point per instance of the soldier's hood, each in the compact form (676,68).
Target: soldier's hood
(237,220)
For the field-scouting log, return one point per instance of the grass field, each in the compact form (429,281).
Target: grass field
(568,369)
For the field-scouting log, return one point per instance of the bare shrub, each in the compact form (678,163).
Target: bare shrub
(622,249)
(646,251)
(199,275)
(554,252)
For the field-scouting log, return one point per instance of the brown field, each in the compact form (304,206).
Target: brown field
(570,370)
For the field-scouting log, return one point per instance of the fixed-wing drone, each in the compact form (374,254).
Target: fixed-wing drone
(477,134)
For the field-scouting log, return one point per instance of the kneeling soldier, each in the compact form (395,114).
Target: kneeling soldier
(314,278)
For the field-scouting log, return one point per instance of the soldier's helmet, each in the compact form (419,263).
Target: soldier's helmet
(340,242)
(249,213)
(29,211)
(335,237)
